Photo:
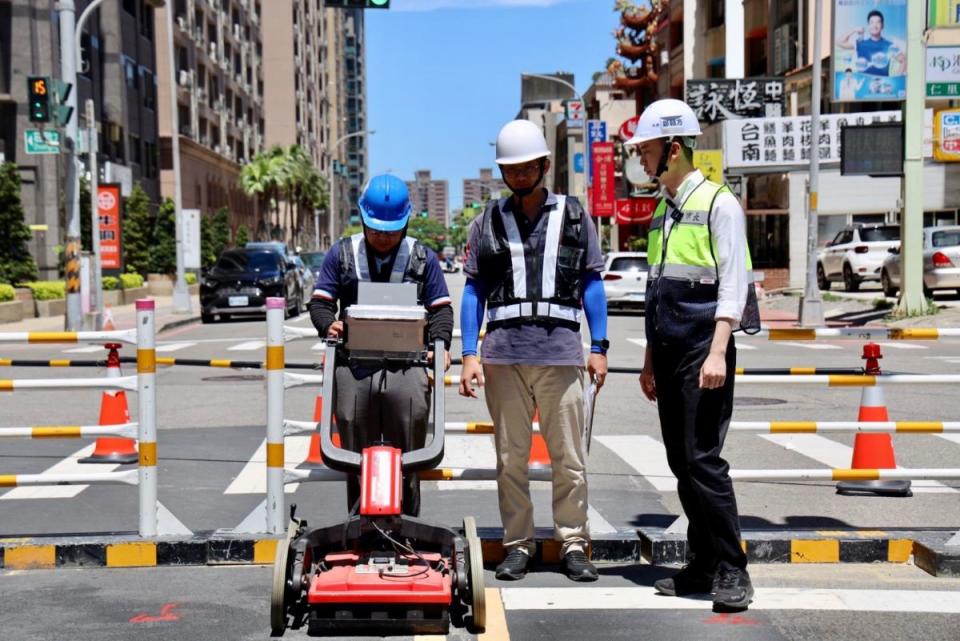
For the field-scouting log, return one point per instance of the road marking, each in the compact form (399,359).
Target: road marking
(318,347)
(820,346)
(598,524)
(173,347)
(252,479)
(69,465)
(645,598)
(903,346)
(642,342)
(745,346)
(838,455)
(89,349)
(467,450)
(953,438)
(644,454)
(248,346)
(168,524)
(496,629)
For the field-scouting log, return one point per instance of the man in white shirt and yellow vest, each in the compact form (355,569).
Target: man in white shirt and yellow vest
(699,291)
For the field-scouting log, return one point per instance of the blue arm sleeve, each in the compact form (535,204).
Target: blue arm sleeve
(595,307)
(471,316)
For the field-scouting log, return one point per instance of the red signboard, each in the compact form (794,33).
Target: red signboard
(627,128)
(108,210)
(603,194)
(635,211)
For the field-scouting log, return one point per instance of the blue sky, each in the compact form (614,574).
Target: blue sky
(444,75)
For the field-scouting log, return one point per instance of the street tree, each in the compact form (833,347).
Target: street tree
(16,263)
(163,252)
(137,232)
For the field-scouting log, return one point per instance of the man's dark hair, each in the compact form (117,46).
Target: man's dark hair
(848,70)
(878,14)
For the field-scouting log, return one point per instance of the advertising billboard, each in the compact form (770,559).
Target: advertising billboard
(869,60)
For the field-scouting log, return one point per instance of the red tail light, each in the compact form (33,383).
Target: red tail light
(612,277)
(940,260)
(862,249)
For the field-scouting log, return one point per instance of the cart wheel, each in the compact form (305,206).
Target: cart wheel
(281,572)
(478,596)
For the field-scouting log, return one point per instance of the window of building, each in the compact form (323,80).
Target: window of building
(136,155)
(130,6)
(146,24)
(716,13)
(130,71)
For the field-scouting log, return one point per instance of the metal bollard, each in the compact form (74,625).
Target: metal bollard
(276,519)
(147,411)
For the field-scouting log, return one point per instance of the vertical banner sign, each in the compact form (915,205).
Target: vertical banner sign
(191,238)
(596,132)
(869,60)
(603,204)
(710,162)
(108,211)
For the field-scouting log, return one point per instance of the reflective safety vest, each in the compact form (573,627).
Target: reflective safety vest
(690,251)
(548,294)
(409,266)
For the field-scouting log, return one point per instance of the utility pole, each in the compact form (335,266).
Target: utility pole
(912,300)
(811,304)
(68,74)
(96,285)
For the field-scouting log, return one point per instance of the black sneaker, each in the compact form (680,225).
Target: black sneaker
(577,566)
(732,590)
(689,580)
(515,566)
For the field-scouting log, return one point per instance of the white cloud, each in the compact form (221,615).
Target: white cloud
(432,5)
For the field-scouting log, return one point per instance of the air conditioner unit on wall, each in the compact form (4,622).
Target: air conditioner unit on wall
(185,78)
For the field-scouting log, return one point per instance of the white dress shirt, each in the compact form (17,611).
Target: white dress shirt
(729,234)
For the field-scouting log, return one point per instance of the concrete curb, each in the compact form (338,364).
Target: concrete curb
(221,547)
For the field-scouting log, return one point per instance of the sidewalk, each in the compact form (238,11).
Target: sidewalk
(124,317)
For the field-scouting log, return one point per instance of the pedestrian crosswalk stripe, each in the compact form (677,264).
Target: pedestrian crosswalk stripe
(838,455)
(173,347)
(953,438)
(69,465)
(816,346)
(642,342)
(88,349)
(644,454)
(318,347)
(468,450)
(903,346)
(248,346)
(646,598)
(253,477)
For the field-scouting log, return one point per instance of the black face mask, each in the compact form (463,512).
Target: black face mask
(523,193)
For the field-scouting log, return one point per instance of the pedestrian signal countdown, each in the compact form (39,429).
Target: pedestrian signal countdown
(38,94)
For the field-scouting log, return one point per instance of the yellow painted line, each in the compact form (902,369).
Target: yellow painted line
(6,386)
(919,427)
(792,334)
(146,361)
(793,427)
(166,360)
(148,454)
(275,357)
(52,337)
(856,475)
(496,629)
(274,454)
(803,371)
(915,333)
(30,557)
(480,428)
(899,550)
(221,363)
(56,431)
(852,380)
(814,551)
(264,551)
(8,480)
(131,555)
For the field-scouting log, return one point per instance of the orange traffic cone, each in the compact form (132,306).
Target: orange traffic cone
(873,451)
(315,458)
(113,411)
(108,325)
(539,455)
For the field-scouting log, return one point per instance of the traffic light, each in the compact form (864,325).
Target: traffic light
(358,4)
(38,96)
(61,91)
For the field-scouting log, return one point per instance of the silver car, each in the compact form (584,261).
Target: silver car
(941,262)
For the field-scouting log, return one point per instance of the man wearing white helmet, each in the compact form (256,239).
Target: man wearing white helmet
(531,259)
(698,293)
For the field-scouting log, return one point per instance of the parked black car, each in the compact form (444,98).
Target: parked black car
(241,281)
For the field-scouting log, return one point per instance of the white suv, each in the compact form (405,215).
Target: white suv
(625,279)
(855,255)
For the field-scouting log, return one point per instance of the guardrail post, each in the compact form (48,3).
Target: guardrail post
(147,411)
(274,364)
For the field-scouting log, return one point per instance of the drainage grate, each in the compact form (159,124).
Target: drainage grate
(234,378)
(756,401)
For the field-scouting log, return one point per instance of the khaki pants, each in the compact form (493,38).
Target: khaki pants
(513,392)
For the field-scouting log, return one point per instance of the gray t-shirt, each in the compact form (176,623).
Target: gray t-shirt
(532,344)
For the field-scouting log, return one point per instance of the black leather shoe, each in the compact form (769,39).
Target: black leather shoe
(689,580)
(577,566)
(515,566)
(732,590)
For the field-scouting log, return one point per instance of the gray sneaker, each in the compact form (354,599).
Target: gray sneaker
(732,590)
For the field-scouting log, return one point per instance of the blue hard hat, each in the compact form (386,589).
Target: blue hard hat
(385,203)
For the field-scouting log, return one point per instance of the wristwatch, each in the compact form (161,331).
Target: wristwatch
(602,343)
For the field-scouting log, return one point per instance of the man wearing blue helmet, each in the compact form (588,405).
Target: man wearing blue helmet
(390,404)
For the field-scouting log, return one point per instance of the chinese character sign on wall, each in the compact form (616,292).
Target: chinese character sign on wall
(604,188)
(869,59)
(714,100)
(943,72)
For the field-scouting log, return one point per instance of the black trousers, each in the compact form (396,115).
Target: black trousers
(388,407)
(694,424)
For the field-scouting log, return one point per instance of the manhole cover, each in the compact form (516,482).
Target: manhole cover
(234,378)
(756,401)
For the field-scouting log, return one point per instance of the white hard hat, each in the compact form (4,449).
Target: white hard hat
(663,119)
(520,141)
